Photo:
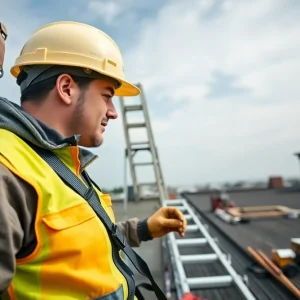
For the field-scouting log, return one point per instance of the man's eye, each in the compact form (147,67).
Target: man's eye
(107,97)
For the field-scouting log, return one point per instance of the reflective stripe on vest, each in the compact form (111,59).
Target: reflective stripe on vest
(73,256)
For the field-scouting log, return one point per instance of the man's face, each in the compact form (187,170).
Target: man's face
(3,35)
(93,109)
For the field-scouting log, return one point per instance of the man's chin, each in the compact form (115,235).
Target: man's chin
(95,142)
(98,141)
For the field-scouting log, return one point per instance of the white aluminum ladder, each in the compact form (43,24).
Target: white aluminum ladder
(183,283)
(147,144)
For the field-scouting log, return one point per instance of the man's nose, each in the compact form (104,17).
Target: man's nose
(112,112)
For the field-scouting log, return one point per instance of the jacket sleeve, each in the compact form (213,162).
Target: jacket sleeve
(13,218)
(135,231)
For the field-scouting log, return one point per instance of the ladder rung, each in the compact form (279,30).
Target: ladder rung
(136,125)
(182,208)
(173,202)
(140,148)
(198,258)
(188,217)
(209,282)
(139,143)
(133,107)
(191,242)
(147,184)
(192,228)
(143,163)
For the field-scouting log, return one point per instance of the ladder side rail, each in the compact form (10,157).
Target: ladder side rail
(236,278)
(152,146)
(166,196)
(171,272)
(129,149)
(182,285)
(158,174)
(179,274)
(125,203)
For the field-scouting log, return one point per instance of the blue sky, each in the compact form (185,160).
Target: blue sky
(221,78)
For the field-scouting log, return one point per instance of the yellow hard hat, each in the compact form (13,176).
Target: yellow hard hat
(75,44)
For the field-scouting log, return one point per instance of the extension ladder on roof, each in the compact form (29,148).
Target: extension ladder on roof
(183,283)
(145,145)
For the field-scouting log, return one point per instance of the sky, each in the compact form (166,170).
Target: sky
(221,79)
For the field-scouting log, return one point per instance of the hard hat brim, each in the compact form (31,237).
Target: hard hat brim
(127,89)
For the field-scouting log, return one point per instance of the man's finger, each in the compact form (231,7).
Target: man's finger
(178,215)
(172,223)
(175,212)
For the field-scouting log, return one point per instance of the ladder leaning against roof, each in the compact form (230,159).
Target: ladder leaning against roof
(148,144)
(183,283)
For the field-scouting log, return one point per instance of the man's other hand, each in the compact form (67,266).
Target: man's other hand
(165,220)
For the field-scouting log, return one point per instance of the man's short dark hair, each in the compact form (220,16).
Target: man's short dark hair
(39,91)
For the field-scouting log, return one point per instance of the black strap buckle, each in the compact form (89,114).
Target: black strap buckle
(118,237)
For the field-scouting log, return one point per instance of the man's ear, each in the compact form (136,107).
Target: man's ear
(66,88)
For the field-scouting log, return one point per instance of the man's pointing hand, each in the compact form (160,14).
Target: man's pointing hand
(165,220)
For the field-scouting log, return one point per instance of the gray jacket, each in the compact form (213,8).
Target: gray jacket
(18,200)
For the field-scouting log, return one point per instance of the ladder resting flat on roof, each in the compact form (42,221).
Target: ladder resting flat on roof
(183,283)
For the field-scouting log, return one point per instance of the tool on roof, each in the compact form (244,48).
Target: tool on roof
(288,259)
(285,260)
(266,263)
(295,246)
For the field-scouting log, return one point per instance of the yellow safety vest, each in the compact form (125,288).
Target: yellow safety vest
(73,257)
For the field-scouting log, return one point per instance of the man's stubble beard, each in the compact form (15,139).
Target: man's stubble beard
(77,121)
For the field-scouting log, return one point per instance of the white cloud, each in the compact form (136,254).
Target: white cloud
(108,10)
(257,41)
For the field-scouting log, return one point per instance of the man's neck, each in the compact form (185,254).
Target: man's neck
(48,115)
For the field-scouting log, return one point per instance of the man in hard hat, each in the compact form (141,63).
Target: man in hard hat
(56,242)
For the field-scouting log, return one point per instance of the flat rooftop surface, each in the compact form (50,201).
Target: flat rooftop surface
(263,234)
